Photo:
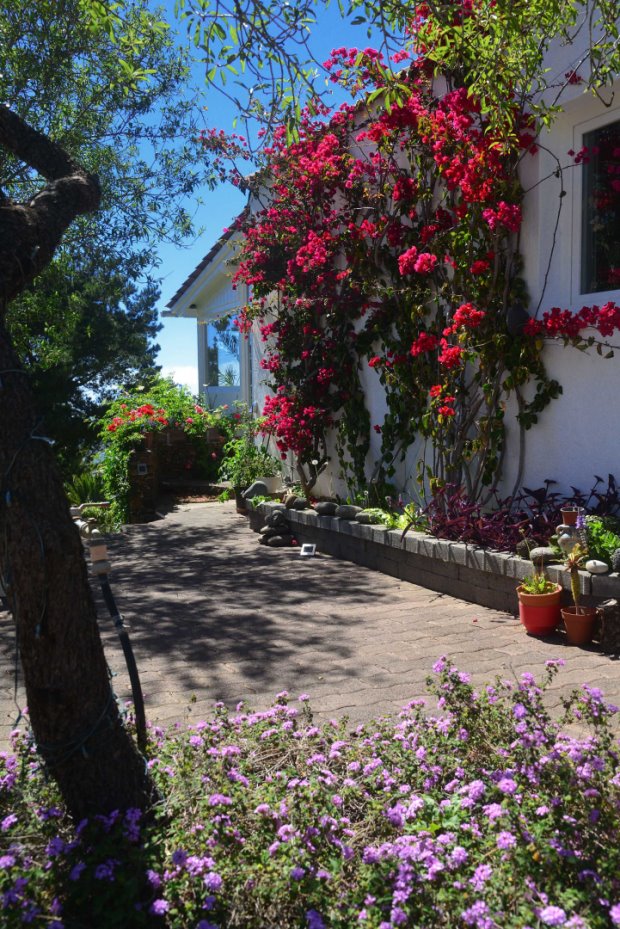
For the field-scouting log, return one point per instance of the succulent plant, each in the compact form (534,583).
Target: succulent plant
(573,562)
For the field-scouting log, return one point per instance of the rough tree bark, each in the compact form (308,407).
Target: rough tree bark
(74,718)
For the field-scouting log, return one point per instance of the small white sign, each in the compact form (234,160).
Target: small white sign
(307,550)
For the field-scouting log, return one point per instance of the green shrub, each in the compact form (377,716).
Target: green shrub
(87,487)
(602,537)
(484,816)
(158,406)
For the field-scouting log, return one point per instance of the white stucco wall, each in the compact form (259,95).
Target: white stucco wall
(577,435)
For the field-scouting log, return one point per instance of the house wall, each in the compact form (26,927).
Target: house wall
(576,436)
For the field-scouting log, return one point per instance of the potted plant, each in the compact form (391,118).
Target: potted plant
(539,604)
(578,620)
(245,462)
(569,515)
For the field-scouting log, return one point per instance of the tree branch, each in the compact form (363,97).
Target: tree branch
(30,233)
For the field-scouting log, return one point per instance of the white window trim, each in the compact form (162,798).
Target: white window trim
(600,296)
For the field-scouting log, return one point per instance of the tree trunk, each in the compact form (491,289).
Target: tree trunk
(73,714)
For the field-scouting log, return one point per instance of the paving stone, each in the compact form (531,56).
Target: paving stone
(214,617)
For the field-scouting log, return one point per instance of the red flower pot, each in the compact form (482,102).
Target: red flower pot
(539,613)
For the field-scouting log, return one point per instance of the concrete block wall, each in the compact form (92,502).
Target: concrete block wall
(454,568)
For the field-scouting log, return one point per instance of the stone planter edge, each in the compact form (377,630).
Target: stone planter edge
(455,568)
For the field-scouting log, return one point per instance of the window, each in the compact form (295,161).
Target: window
(223,353)
(600,265)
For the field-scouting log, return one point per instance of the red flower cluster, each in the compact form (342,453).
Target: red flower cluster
(466,316)
(292,424)
(507,215)
(406,261)
(557,323)
(352,242)
(451,355)
(146,412)
(442,402)
(425,342)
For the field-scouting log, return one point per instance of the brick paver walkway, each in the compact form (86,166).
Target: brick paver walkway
(215,616)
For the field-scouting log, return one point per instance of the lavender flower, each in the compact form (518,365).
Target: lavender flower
(552,916)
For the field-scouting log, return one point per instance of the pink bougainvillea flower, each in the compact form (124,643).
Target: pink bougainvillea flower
(451,355)
(425,342)
(425,263)
(406,261)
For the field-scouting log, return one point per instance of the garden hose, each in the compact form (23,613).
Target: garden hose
(101,566)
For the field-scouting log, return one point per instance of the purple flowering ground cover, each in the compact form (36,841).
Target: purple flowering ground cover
(483,814)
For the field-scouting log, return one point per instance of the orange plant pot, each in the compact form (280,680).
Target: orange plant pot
(540,613)
(579,626)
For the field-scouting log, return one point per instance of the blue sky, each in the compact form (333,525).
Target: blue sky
(177,339)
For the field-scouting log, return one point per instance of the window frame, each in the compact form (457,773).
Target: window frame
(580,130)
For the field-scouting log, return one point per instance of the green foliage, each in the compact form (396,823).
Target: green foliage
(110,84)
(245,461)
(80,330)
(484,807)
(86,487)
(153,407)
(602,537)
(538,584)
(255,502)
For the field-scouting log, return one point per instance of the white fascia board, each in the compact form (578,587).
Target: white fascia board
(215,277)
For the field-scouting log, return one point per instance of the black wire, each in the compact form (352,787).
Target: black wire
(130,660)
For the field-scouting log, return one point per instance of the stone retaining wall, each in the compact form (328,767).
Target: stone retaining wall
(464,571)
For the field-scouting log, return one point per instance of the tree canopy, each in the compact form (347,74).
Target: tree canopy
(260,52)
(111,85)
(80,330)
(115,93)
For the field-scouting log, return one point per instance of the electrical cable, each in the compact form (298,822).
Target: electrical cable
(130,660)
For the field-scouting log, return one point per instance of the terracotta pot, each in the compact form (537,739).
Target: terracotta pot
(579,625)
(539,613)
(569,516)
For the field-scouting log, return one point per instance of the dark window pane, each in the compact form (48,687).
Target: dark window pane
(223,353)
(600,265)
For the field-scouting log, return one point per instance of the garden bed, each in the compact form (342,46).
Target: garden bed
(455,568)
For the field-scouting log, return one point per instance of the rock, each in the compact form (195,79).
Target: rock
(615,561)
(347,512)
(543,555)
(609,626)
(293,502)
(279,541)
(326,508)
(268,531)
(257,489)
(524,548)
(596,567)
(278,518)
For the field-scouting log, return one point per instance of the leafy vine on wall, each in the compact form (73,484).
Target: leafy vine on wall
(389,237)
